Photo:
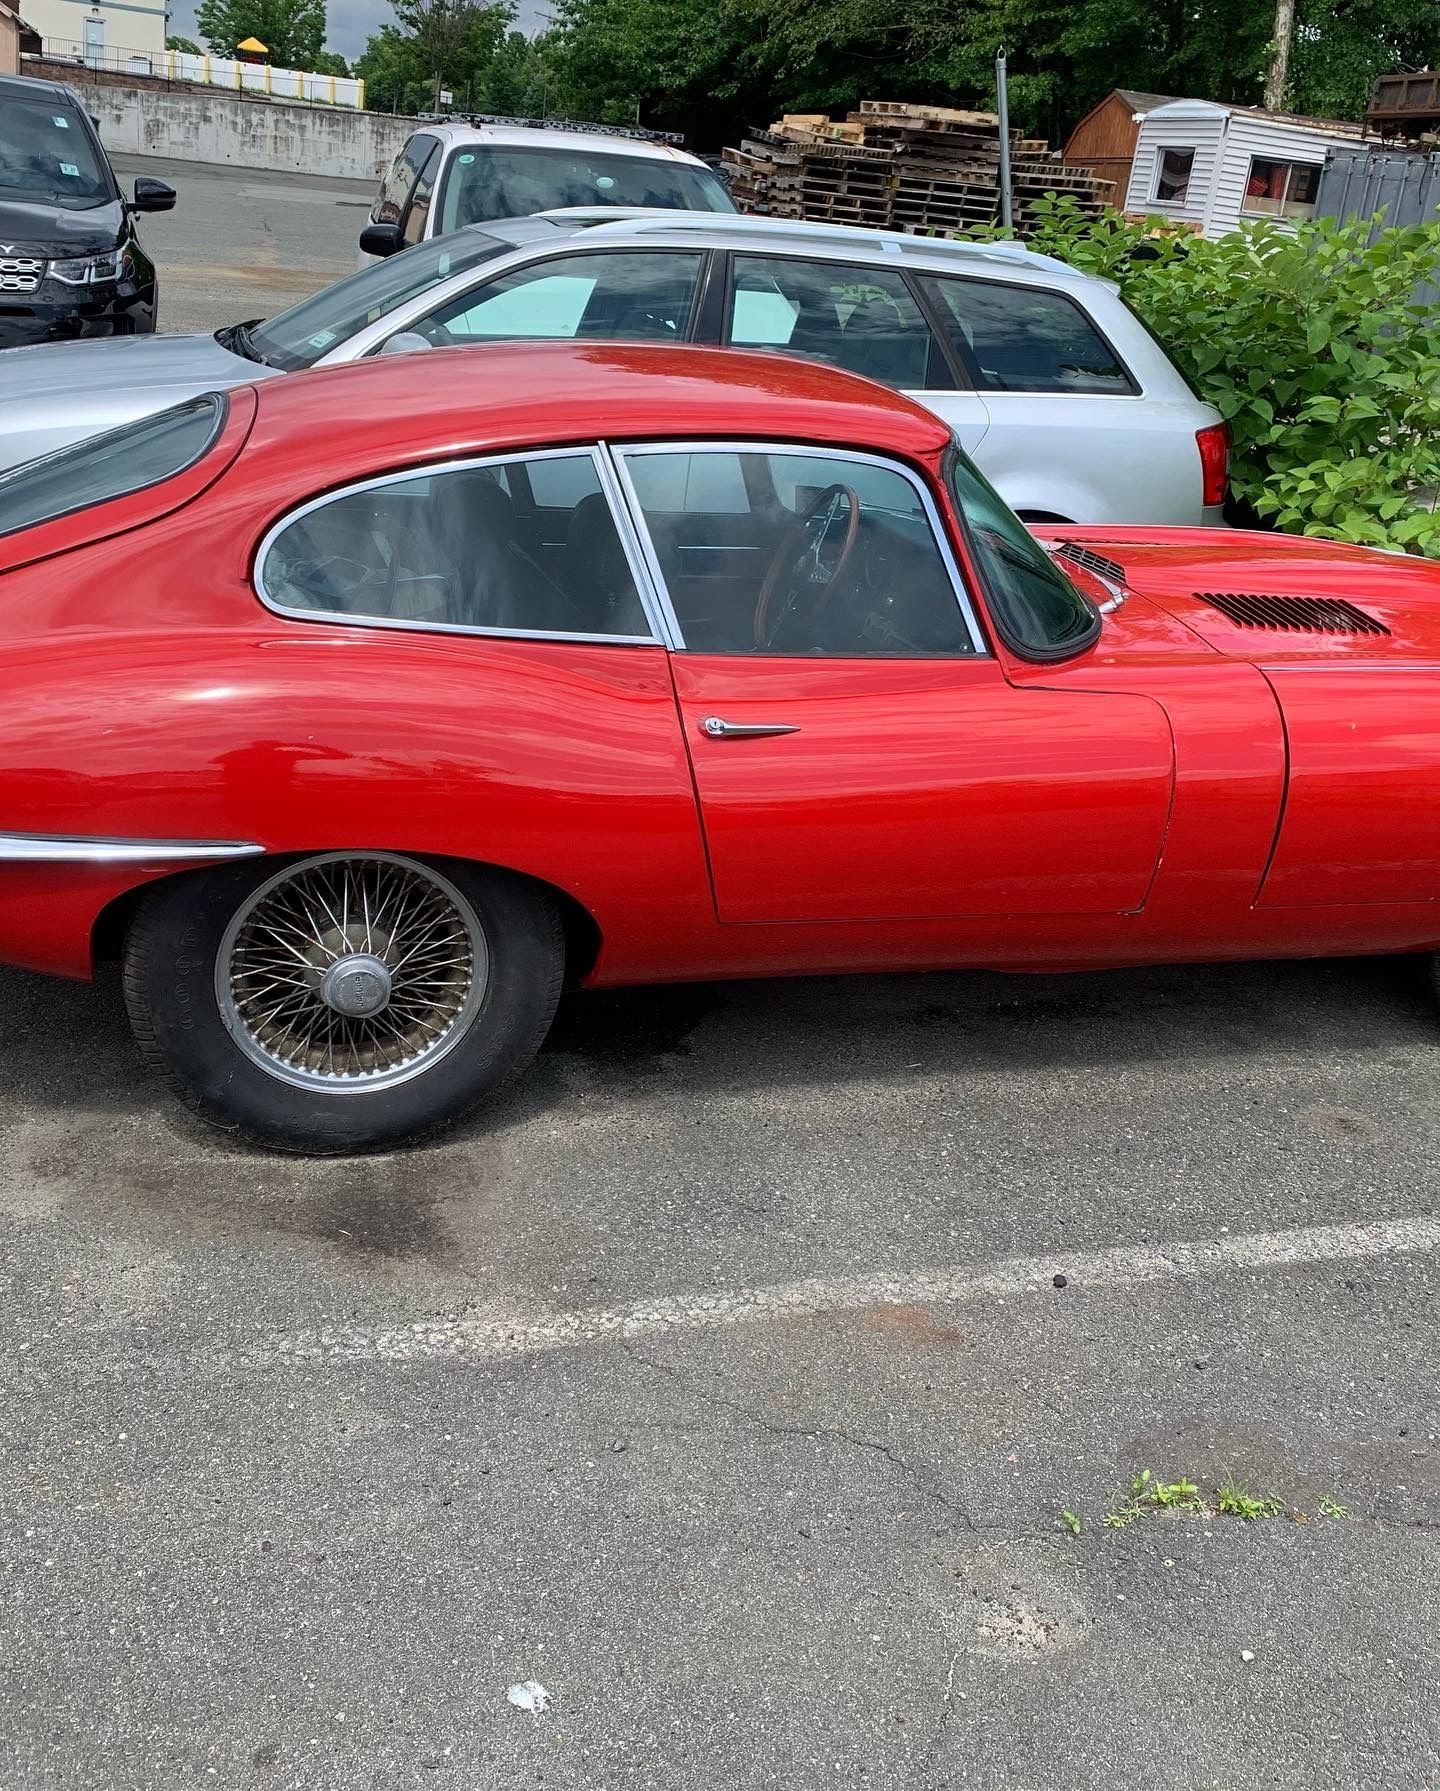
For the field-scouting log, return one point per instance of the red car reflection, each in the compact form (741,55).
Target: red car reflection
(361,711)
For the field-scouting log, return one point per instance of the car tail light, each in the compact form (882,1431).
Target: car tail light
(1214,446)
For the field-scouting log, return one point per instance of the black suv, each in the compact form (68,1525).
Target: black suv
(70,261)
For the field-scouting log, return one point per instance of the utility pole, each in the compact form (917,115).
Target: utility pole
(1278,74)
(1002,97)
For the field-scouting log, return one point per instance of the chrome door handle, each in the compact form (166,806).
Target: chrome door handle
(713,728)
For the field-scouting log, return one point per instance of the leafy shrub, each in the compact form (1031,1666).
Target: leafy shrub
(1313,345)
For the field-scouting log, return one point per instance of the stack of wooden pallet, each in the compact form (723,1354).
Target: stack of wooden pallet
(920,169)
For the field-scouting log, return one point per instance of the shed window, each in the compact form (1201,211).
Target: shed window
(1281,189)
(1172,182)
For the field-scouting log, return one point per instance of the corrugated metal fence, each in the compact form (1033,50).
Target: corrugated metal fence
(1389,186)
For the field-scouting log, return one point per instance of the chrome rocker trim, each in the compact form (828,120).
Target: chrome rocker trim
(51,848)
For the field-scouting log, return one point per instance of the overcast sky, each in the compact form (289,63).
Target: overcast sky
(353,21)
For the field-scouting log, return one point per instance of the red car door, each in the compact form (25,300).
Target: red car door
(857,753)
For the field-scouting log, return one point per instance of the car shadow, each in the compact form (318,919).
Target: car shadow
(66,1047)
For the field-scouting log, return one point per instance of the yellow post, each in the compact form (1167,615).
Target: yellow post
(360,97)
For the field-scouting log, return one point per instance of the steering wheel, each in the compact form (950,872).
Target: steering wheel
(808,561)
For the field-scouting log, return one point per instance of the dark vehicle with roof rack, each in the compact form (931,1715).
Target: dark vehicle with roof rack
(475,168)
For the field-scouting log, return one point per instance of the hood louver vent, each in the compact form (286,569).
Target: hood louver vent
(1293,615)
(1092,561)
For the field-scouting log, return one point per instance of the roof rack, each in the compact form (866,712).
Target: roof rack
(652,220)
(638,132)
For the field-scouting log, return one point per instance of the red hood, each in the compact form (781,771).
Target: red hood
(1260,596)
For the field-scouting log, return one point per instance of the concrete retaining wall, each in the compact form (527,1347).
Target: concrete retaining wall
(199,124)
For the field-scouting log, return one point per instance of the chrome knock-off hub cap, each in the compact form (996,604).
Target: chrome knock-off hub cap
(357,986)
(346,974)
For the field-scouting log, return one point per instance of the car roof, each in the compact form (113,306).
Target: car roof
(736,230)
(500,396)
(614,142)
(27,87)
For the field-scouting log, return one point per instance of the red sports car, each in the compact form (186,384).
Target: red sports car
(362,710)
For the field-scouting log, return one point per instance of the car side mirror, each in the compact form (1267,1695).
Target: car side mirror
(381,239)
(405,342)
(153,195)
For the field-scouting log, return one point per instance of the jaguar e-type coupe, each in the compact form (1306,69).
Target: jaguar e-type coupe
(361,711)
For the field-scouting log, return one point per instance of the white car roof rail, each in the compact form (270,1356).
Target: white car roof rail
(624,220)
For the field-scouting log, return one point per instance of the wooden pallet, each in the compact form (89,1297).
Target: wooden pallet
(918,169)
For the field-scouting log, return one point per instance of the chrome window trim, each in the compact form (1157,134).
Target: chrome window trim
(633,450)
(54,848)
(581,451)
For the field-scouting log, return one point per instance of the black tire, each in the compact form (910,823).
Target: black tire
(173,993)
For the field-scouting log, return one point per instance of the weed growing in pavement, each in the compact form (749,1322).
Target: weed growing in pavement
(1147,1493)
(1233,1498)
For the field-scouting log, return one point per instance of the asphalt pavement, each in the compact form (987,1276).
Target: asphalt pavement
(732,1378)
(242,243)
(719,1382)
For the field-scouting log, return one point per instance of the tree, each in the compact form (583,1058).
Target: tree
(186,45)
(329,63)
(400,71)
(444,33)
(293,31)
(1277,75)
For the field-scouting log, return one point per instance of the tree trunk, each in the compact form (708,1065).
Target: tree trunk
(1278,73)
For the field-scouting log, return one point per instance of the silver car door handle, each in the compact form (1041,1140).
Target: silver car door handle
(713,728)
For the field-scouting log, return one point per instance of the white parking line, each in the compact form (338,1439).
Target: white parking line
(479,1339)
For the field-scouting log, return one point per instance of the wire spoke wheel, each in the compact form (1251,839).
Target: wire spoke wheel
(351,973)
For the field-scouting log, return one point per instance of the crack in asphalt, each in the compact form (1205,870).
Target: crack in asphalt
(947,1710)
(815,1433)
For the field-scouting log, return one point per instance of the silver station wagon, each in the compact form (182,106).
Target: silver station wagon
(1050,383)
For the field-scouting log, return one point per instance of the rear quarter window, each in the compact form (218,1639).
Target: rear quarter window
(1027,339)
(112,465)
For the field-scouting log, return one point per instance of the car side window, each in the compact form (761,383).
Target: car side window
(769,551)
(626,297)
(418,209)
(864,319)
(1023,339)
(399,182)
(527,545)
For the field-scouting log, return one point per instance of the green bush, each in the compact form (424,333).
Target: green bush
(1310,342)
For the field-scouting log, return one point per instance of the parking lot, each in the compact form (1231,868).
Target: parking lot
(732,1377)
(242,243)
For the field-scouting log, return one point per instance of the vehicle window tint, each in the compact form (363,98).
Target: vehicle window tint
(110,465)
(827,556)
(1020,339)
(1038,609)
(399,182)
(628,297)
(463,547)
(864,319)
(499,180)
(419,208)
(46,154)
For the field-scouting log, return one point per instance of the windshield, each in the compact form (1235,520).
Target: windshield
(46,152)
(1036,608)
(298,337)
(498,181)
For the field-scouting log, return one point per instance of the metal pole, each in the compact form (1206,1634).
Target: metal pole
(1006,213)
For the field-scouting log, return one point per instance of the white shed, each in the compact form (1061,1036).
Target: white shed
(1211,166)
